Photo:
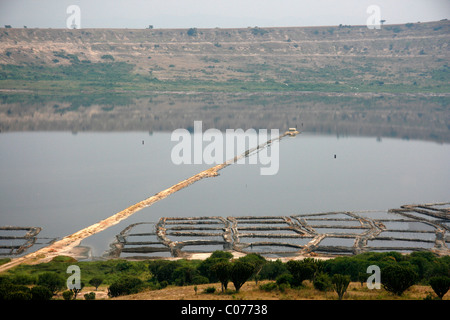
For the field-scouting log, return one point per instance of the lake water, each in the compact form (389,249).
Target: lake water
(63,182)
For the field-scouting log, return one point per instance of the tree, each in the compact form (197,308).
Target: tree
(164,270)
(257,261)
(51,280)
(272,269)
(183,275)
(205,267)
(440,285)
(340,284)
(301,270)
(222,271)
(285,278)
(40,293)
(124,286)
(397,278)
(77,290)
(240,272)
(96,282)
(192,32)
(322,282)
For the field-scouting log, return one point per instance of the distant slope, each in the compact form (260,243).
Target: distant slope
(392,82)
(396,58)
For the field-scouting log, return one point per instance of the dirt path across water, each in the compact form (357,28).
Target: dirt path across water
(68,243)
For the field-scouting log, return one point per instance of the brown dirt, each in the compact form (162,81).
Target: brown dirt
(251,291)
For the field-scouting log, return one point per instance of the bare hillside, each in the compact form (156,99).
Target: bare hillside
(395,53)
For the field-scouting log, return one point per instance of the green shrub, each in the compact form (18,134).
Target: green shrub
(68,295)
(257,261)
(285,278)
(10,291)
(272,269)
(192,32)
(19,295)
(301,270)
(197,279)
(24,279)
(107,57)
(124,286)
(123,266)
(164,270)
(51,280)
(209,290)
(163,284)
(270,286)
(40,293)
(205,267)
(64,259)
(397,278)
(89,296)
(322,282)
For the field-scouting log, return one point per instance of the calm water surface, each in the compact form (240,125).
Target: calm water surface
(63,182)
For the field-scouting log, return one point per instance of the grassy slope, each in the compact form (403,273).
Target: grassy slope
(112,270)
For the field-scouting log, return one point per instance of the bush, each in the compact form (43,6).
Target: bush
(257,261)
(272,269)
(301,270)
(164,270)
(19,295)
(64,259)
(270,286)
(397,278)
(163,284)
(199,280)
(192,32)
(440,285)
(125,286)
(209,290)
(322,282)
(23,279)
(40,293)
(183,275)
(68,295)
(10,291)
(205,267)
(89,296)
(285,278)
(51,280)
(107,57)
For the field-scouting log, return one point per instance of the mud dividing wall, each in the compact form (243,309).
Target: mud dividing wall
(406,229)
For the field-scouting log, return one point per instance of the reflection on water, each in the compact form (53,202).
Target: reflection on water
(63,182)
(406,116)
